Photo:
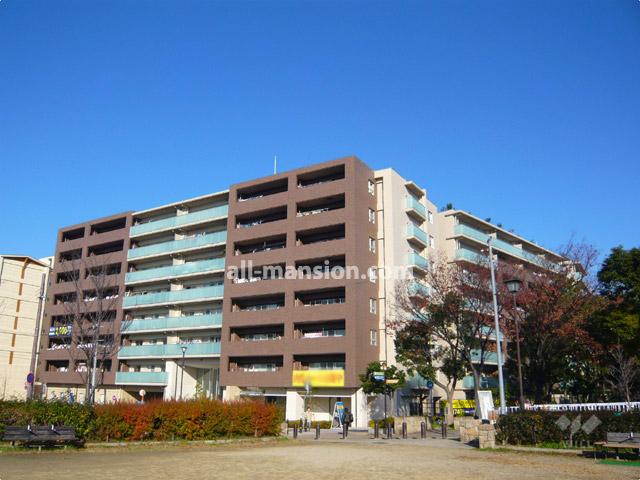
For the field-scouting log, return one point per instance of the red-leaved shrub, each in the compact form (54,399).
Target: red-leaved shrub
(185,420)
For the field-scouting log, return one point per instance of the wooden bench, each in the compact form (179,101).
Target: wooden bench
(47,435)
(620,441)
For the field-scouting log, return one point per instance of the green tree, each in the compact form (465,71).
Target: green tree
(419,354)
(393,379)
(619,280)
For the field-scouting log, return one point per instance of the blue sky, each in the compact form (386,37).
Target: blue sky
(525,112)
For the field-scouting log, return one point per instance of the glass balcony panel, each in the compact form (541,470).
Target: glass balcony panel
(180,220)
(498,244)
(414,205)
(142,378)
(178,245)
(204,293)
(202,266)
(172,350)
(417,260)
(489,357)
(416,232)
(173,323)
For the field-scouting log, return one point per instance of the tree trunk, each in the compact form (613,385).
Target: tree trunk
(450,415)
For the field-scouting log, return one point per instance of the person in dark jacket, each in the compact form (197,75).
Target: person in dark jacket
(347,420)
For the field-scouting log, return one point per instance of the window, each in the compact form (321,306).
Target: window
(432,241)
(371,187)
(430,216)
(373,305)
(372,274)
(372,216)
(372,245)
(373,337)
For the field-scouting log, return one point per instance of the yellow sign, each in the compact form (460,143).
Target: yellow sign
(318,378)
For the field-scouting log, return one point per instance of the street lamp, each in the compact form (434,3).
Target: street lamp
(513,286)
(184,351)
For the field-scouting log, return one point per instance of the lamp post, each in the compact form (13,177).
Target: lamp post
(503,404)
(514,287)
(184,351)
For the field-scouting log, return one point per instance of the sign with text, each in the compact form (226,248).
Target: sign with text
(60,331)
(318,378)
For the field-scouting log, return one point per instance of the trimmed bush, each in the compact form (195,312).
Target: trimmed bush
(155,420)
(540,427)
(324,424)
(75,415)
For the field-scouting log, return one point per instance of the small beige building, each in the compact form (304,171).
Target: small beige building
(23,283)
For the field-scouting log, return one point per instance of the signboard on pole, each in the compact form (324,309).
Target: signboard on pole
(485,404)
(338,415)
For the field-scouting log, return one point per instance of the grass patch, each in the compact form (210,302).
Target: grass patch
(621,463)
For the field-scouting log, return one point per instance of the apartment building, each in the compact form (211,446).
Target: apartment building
(281,335)
(84,252)
(23,283)
(173,300)
(219,295)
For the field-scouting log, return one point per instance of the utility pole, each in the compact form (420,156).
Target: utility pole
(503,404)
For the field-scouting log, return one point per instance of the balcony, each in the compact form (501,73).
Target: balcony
(415,208)
(173,271)
(469,255)
(417,235)
(414,259)
(468,382)
(213,292)
(179,221)
(490,358)
(164,324)
(141,378)
(417,289)
(500,245)
(169,351)
(201,241)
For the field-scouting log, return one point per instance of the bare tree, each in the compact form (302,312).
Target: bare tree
(455,305)
(624,373)
(90,313)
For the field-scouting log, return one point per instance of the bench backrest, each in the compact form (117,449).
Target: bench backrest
(39,433)
(623,437)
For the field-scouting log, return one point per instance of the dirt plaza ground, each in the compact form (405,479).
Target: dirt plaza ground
(305,459)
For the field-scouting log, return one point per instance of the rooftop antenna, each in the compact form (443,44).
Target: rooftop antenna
(275,164)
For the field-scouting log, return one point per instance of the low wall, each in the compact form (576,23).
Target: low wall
(486,436)
(413,424)
(469,429)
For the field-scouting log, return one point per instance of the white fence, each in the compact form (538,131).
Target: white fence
(582,407)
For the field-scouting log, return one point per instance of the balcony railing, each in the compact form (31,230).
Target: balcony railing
(417,233)
(468,382)
(417,260)
(418,289)
(501,245)
(142,378)
(490,358)
(177,296)
(414,206)
(180,220)
(178,245)
(169,351)
(163,324)
(172,271)
(468,255)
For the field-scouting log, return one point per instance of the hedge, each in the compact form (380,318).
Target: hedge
(534,428)
(155,420)
(75,415)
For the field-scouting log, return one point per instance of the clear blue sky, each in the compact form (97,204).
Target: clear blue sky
(526,112)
